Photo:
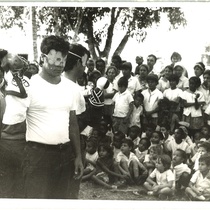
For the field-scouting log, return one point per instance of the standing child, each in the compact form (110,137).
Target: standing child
(174,94)
(193,100)
(151,98)
(133,134)
(181,170)
(199,186)
(161,181)
(123,106)
(129,164)
(137,113)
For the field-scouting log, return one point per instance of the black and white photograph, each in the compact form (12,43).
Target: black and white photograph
(104,105)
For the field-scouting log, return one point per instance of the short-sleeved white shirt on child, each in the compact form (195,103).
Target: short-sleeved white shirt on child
(151,100)
(135,116)
(49,110)
(190,98)
(173,95)
(121,156)
(179,169)
(140,155)
(201,183)
(162,178)
(122,102)
(173,146)
(93,158)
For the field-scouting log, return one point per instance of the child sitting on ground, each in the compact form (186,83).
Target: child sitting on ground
(133,134)
(129,164)
(150,158)
(205,132)
(161,181)
(199,186)
(90,157)
(156,138)
(107,171)
(181,170)
(203,148)
(142,149)
(117,141)
(103,129)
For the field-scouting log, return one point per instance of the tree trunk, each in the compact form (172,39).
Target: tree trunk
(91,40)
(122,44)
(34,33)
(113,21)
(80,13)
(56,21)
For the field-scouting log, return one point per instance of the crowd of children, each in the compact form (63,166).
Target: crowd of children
(154,131)
(146,129)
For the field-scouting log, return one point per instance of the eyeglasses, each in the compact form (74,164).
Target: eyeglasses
(57,61)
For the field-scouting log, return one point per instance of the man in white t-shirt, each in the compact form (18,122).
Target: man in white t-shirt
(52,153)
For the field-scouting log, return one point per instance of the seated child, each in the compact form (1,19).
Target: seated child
(117,141)
(161,181)
(107,171)
(103,129)
(181,170)
(142,149)
(90,157)
(156,138)
(199,186)
(205,132)
(149,129)
(129,164)
(178,142)
(150,158)
(203,148)
(133,134)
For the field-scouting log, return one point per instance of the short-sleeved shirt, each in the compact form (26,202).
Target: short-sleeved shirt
(201,183)
(173,95)
(163,84)
(179,169)
(49,110)
(121,156)
(162,178)
(122,102)
(206,93)
(135,116)
(93,158)
(140,155)
(151,100)
(190,98)
(183,83)
(173,146)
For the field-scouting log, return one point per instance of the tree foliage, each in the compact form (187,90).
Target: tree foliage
(71,21)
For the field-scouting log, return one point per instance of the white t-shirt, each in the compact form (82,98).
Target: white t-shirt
(48,111)
(179,169)
(121,156)
(172,95)
(122,102)
(173,146)
(15,111)
(201,183)
(163,178)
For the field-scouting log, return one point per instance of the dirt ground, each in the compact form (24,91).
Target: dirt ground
(90,191)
